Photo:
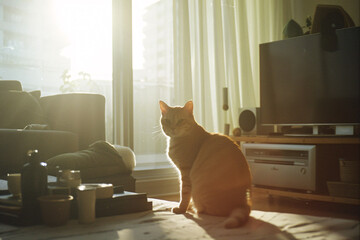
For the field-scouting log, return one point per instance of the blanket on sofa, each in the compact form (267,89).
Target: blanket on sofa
(100,159)
(162,224)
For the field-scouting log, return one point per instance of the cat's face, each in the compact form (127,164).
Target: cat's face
(177,121)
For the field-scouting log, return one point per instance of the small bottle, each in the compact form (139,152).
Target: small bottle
(33,185)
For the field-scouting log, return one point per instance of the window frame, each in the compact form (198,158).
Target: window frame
(123,133)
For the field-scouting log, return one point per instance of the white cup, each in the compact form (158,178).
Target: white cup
(86,198)
(14,184)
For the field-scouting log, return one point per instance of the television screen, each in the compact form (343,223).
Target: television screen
(303,84)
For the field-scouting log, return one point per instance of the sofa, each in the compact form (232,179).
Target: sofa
(60,126)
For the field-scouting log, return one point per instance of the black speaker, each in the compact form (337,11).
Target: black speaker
(330,16)
(249,122)
(327,19)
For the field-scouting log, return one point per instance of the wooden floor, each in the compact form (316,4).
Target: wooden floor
(264,202)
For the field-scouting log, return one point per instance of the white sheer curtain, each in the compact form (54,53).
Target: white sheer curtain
(216,45)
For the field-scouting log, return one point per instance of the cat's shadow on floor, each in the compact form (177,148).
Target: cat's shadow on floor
(253,229)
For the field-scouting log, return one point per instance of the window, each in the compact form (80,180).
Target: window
(153,78)
(58,46)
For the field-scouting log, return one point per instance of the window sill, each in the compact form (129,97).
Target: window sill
(155,175)
(154,166)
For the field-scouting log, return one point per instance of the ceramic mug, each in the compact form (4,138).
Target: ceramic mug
(55,209)
(14,184)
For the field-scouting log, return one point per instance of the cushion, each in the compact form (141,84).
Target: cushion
(36,94)
(19,109)
(100,159)
(80,113)
(6,85)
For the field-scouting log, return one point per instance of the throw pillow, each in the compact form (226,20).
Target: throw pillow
(19,109)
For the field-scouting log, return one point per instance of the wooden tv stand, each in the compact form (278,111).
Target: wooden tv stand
(328,152)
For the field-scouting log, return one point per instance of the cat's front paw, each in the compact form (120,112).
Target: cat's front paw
(177,210)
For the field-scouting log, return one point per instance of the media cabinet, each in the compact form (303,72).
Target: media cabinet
(328,151)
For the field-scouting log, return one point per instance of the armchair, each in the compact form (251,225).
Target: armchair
(56,125)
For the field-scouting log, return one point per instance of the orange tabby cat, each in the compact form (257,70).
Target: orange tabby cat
(214,172)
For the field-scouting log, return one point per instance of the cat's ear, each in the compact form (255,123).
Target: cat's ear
(189,106)
(163,107)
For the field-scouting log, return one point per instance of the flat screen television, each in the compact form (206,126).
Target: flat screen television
(303,84)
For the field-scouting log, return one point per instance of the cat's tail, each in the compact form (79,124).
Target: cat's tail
(238,217)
